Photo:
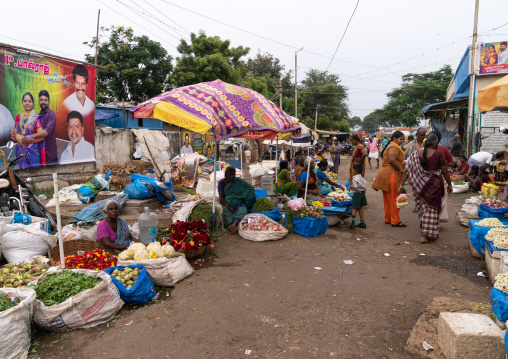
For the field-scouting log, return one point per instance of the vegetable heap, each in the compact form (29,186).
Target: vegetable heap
(261,224)
(339,196)
(127,276)
(189,235)
(94,260)
(495,203)
(57,288)
(138,252)
(202,211)
(309,211)
(7,302)
(458,183)
(263,204)
(489,222)
(501,282)
(20,275)
(497,233)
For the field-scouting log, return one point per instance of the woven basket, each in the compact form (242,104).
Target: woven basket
(72,247)
(195,252)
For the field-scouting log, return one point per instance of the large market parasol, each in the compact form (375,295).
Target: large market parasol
(494,96)
(225,109)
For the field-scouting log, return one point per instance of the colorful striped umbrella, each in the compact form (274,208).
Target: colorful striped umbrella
(227,110)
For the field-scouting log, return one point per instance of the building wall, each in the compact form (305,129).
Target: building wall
(118,122)
(112,144)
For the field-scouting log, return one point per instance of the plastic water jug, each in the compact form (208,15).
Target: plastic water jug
(148,224)
(267,183)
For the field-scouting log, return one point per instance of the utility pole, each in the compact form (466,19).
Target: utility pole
(315,122)
(97,36)
(296,82)
(280,93)
(472,84)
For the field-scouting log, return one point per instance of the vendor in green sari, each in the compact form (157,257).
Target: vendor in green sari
(284,183)
(236,197)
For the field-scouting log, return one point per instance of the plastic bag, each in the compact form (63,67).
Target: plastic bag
(164,272)
(153,245)
(168,251)
(141,254)
(15,324)
(260,236)
(499,303)
(489,190)
(87,309)
(156,253)
(310,227)
(136,246)
(141,292)
(485,211)
(125,256)
(460,188)
(20,242)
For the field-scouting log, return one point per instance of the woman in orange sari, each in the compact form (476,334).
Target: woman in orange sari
(359,155)
(388,178)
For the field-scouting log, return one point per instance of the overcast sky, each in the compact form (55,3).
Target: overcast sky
(385,39)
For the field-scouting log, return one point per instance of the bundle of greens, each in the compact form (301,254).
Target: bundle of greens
(57,288)
(263,204)
(204,212)
(7,302)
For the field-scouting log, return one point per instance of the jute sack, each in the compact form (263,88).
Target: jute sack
(164,272)
(87,309)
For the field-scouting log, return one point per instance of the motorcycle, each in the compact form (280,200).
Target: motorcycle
(15,194)
(347,149)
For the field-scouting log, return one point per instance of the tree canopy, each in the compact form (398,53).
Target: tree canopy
(208,58)
(134,68)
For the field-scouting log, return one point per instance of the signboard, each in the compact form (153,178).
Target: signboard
(494,58)
(493,142)
(495,119)
(47,106)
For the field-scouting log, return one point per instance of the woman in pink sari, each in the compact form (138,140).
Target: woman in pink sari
(26,125)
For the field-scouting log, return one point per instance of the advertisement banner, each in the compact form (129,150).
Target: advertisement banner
(494,58)
(47,107)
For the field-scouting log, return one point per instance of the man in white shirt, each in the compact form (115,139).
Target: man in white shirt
(248,155)
(502,58)
(78,101)
(480,159)
(78,149)
(186,148)
(6,125)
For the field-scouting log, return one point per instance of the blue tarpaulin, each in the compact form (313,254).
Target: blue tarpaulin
(103,115)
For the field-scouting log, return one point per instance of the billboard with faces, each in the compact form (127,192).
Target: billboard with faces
(47,107)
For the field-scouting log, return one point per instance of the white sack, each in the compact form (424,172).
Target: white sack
(87,309)
(164,272)
(15,324)
(20,242)
(260,236)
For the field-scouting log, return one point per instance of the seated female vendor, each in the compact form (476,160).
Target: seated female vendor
(324,183)
(113,232)
(236,196)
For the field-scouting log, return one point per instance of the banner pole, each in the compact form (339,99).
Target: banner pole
(56,196)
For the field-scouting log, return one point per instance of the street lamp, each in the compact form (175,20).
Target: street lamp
(296,82)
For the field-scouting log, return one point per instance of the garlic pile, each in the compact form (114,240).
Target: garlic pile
(490,222)
(499,232)
(502,282)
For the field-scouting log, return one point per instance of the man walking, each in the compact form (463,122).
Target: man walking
(48,132)
(416,145)
(456,147)
(373,151)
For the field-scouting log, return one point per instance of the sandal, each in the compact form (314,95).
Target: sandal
(400,224)
(425,240)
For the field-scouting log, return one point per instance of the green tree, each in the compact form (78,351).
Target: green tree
(134,68)
(266,64)
(323,91)
(373,120)
(208,58)
(355,122)
(417,90)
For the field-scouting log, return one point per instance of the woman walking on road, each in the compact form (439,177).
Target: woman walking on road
(426,169)
(358,156)
(388,178)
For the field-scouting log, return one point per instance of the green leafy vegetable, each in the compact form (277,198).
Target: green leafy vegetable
(7,302)
(57,288)
(458,182)
(202,211)
(263,204)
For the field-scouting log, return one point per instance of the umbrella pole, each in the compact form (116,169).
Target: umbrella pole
(308,174)
(214,185)
(276,163)
(241,160)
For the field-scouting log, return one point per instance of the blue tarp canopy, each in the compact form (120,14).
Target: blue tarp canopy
(104,115)
(440,105)
(461,78)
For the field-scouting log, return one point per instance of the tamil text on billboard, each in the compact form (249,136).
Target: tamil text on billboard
(47,107)
(494,58)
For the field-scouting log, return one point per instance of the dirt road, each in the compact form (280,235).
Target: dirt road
(268,298)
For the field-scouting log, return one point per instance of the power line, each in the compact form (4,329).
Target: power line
(43,47)
(136,24)
(344,34)
(174,22)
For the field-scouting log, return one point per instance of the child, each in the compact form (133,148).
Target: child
(472,176)
(358,187)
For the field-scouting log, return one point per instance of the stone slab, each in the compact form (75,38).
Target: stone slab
(493,265)
(140,202)
(470,336)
